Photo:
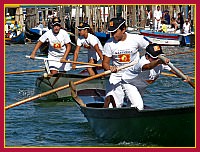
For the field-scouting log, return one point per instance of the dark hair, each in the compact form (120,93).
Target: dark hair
(122,26)
(147,55)
(90,30)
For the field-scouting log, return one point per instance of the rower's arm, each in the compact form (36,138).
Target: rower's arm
(68,48)
(76,52)
(96,47)
(76,56)
(106,63)
(151,65)
(37,46)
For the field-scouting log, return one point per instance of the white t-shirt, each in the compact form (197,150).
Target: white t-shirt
(157,14)
(57,42)
(137,77)
(124,52)
(89,44)
(186,28)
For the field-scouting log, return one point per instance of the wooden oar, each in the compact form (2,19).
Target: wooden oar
(172,75)
(67,61)
(74,94)
(66,86)
(41,70)
(179,73)
(25,71)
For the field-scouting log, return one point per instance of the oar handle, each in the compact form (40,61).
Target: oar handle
(173,67)
(66,86)
(179,73)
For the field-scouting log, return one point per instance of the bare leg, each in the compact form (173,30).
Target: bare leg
(108,100)
(53,72)
(92,71)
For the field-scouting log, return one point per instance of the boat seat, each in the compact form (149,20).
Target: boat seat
(91,92)
(95,105)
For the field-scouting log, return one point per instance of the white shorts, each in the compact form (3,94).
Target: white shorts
(93,54)
(115,89)
(133,95)
(56,65)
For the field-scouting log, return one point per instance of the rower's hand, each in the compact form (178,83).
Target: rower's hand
(188,79)
(163,62)
(73,66)
(113,69)
(32,56)
(62,60)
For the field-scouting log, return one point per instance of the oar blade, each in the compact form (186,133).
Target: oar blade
(74,94)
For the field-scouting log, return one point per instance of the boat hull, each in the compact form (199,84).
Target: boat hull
(163,42)
(20,39)
(160,35)
(33,36)
(188,39)
(92,87)
(172,127)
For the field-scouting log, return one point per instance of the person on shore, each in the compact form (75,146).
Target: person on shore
(16,29)
(157,18)
(59,47)
(91,43)
(186,27)
(166,17)
(148,16)
(138,77)
(122,48)
(164,27)
(180,22)
(174,24)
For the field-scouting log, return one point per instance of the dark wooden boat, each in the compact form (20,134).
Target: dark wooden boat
(33,36)
(19,39)
(93,88)
(168,127)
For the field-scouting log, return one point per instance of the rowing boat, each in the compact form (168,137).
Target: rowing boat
(93,88)
(173,127)
(162,41)
(19,39)
(168,127)
(169,39)
(188,39)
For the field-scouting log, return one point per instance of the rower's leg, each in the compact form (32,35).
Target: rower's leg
(134,96)
(108,100)
(92,71)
